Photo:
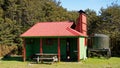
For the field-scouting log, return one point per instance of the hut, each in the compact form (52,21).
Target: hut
(57,37)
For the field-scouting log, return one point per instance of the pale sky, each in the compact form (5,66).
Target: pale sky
(84,4)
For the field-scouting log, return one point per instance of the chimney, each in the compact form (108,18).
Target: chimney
(81,25)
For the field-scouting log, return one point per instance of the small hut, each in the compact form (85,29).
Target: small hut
(57,37)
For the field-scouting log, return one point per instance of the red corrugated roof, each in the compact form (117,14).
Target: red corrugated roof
(51,29)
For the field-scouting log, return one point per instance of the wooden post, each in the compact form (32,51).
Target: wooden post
(78,49)
(59,49)
(85,41)
(41,50)
(24,50)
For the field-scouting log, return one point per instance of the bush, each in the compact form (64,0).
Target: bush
(8,50)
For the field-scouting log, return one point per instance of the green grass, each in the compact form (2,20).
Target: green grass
(16,62)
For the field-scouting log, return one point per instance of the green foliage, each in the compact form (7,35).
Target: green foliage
(110,18)
(72,16)
(108,22)
(8,50)
(9,32)
(16,16)
(92,21)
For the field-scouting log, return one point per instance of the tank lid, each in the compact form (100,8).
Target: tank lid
(100,35)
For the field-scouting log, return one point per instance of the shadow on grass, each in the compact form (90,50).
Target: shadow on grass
(12,58)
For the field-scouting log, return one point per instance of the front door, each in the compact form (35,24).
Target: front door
(72,47)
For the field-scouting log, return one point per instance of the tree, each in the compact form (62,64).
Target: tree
(110,25)
(110,18)
(92,21)
(72,16)
(16,16)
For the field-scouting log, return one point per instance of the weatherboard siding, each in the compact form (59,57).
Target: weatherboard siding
(83,48)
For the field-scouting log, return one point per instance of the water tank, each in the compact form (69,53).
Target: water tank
(100,41)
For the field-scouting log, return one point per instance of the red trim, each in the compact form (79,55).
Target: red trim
(58,49)
(24,50)
(41,50)
(78,47)
(85,41)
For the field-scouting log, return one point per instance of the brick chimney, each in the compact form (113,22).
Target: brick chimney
(81,25)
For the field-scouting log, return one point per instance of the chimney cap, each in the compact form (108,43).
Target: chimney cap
(81,11)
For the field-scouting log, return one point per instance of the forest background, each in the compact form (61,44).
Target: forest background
(17,16)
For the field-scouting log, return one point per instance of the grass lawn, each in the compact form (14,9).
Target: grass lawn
(113,62)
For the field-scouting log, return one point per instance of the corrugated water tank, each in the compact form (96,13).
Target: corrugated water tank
(100,41)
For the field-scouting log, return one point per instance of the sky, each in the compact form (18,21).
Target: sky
(85,4)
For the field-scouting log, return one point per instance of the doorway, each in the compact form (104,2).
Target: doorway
(71,49)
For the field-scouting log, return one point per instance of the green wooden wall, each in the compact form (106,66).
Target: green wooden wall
(32,47)
(50,45)
(63,43)
(73,49)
